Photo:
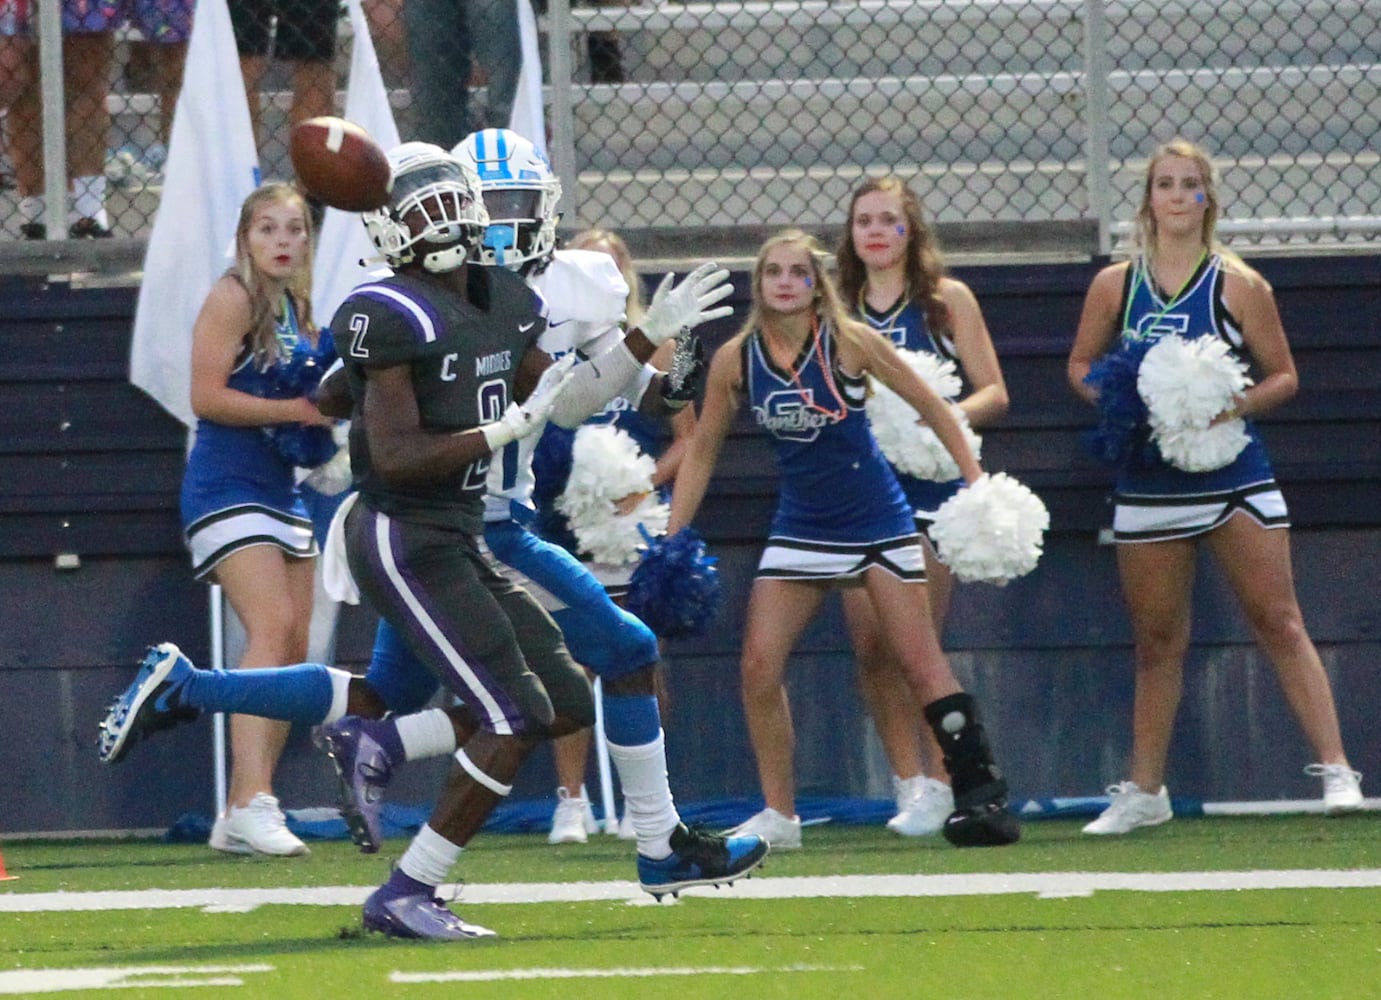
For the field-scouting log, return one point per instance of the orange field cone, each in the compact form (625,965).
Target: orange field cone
(4,875)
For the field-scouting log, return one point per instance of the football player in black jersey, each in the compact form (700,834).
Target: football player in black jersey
(438,356)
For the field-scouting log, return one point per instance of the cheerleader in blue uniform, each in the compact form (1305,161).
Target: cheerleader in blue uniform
(254,352)
(801,366)
(890,272)
(1183,283)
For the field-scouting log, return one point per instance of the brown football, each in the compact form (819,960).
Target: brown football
(339,163)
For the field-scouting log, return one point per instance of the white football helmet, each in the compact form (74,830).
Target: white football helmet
(447,194)
(520,194)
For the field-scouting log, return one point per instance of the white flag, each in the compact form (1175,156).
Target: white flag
(344,242)
(212,168)
(527,119)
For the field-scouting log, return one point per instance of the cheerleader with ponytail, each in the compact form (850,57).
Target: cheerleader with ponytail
(1163,350)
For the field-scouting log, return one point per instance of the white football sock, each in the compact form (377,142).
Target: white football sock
(647,795)
(430,857)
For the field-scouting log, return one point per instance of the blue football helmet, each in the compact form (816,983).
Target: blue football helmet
(520,195)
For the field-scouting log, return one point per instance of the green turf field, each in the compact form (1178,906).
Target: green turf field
(1169,913)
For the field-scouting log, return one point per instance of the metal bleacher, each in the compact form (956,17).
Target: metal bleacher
(769,113)
(738,117)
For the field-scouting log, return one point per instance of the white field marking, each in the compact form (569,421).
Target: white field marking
(1052,884)
(30,981)
(495,975)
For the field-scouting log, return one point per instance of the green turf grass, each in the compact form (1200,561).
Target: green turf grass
(1302,943)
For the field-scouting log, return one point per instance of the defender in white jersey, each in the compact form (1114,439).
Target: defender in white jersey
(1183,282)
(585,295)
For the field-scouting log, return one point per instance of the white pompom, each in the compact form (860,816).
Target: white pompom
(991,531)
(911,447)
(1201,449)
(1186,383)
(607,466)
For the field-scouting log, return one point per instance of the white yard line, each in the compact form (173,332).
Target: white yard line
(1042,884)
(27,982)
(499,975)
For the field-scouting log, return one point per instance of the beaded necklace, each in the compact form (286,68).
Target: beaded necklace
(843,410)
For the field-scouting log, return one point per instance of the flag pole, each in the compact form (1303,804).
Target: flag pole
(606,781)
(218,721)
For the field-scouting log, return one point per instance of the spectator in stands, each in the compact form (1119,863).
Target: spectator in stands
(302,32)
(156,64)
(452,45)
(87,58)
(1181,281)
(241,510)
(574,818)
(800,363)
(891,275)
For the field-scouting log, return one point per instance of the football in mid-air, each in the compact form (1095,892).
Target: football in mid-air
(340,164)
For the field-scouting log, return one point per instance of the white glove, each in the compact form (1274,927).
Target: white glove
(521,419)
(687,305)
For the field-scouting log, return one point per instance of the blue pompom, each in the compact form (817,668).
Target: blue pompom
(303,445)
(551,469)
(676,588)
(551,464)
(298,373)
(1122,437)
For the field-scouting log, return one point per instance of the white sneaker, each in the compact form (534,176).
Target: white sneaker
(221,841)
(923,805)
(1131,808)
(568,822)
(1342,787)
(780,832)
(258,828)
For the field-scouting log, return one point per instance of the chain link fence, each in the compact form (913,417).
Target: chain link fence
(1024,124)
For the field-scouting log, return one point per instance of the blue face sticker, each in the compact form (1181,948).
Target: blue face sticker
(1199,197)
(809,283)
(901,230)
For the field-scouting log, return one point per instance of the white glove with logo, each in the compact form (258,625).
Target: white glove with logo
(522,419)
(686,305)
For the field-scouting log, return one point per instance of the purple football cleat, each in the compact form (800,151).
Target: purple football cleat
(417,916)
(363,767)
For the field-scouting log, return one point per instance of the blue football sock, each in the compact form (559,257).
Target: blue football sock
(631,720)
(300,693)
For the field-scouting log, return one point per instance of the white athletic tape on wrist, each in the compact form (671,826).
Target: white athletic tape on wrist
(472,769)
(497,434)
